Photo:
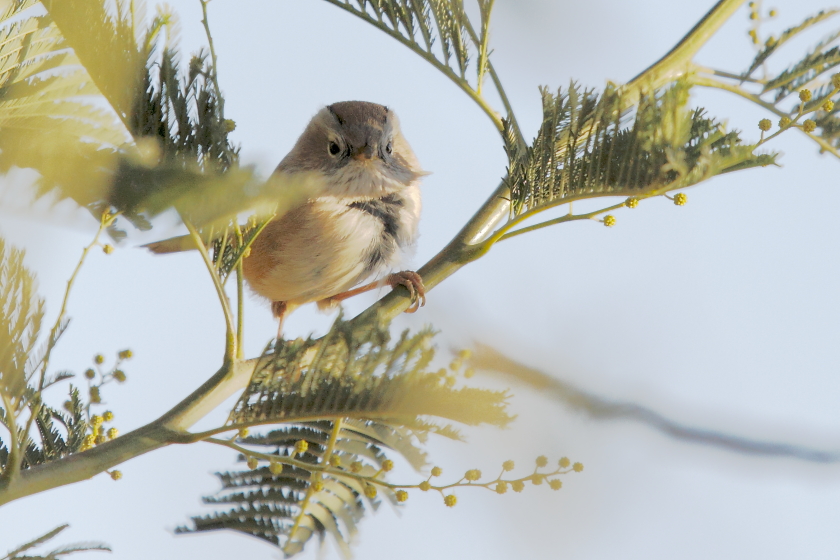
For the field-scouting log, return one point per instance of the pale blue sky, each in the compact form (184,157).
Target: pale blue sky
(722,314)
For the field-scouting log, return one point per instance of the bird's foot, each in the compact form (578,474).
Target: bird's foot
(413,283)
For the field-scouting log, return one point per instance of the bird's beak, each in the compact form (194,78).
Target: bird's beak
(363,153)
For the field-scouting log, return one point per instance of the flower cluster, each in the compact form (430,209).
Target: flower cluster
(97,376)
(98,433)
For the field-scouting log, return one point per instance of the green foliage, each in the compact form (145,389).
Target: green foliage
(162,143)
(56,554)
(56,443)
(421,23)
(585,149)
(353,372)
(269,506)
(382,393)
(772,45)
(21,314)
(46,118)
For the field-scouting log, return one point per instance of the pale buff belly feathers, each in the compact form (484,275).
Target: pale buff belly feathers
(326,247)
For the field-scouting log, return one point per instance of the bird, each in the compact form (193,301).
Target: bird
(358,225)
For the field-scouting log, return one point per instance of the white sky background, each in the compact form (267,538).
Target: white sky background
(722,314)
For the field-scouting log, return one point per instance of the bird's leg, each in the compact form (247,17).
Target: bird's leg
(407,278)
(278,309)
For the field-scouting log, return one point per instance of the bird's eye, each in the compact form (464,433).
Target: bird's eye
(334,149)
(389,148)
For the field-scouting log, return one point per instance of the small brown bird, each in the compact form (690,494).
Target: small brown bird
(357,227)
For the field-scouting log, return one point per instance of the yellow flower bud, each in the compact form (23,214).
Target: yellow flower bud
(370,491)
(113,433)
(564,462)
(680,199)
(437,471)
(243,432)
(335,460)
(805,95)
(425,486)
(402,495)
(631,202)
(577,467)
(764,124)
(253,463)
(465,354)
(356,467)
(107,416)
(501,487)
(318,485)
(809,126)
(387,465)
(609,220)
(772,13)
(301,446)
(275,468)
(517,485)
(100,439)
(115,475)
(555,484)
(95,396)
(828,106)
(508,465)
(537,479)
(119,375)
(95,420)
(89,373)
(450,500)
(99,359)
(784,122)
(469,373)
(472,475)
(125,354)
(542,461)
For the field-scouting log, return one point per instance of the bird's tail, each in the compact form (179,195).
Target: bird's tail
(171,245)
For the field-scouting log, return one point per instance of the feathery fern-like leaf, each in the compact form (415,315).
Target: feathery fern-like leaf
(21,314)
(354,373)
(585,149)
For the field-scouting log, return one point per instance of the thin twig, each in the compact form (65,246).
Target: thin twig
(230,334)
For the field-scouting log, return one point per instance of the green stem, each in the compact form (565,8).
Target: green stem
(567,218)
(677,62)
(230,334)
(216,87)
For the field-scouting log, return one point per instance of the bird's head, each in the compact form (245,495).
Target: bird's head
(358,147)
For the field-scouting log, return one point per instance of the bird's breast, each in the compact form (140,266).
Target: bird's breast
(329,245)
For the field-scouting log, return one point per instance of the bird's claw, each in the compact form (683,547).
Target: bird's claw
(414,284)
